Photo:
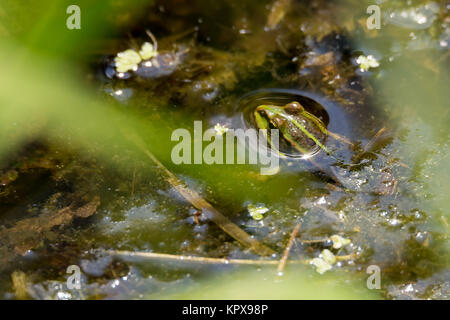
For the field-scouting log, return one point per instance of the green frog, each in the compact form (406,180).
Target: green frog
(301,132)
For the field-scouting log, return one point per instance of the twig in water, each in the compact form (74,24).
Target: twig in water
(153,38)
(369,146)
(152,256)
(314,241)
(194,260)
(283,260)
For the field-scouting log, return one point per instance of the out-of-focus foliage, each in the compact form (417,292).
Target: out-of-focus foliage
(42,25)
(43,94)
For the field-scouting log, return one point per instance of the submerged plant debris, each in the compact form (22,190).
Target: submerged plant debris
(74,189)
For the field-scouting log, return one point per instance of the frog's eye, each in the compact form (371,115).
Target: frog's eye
(294,107)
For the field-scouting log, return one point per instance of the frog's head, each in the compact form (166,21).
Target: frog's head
(298,129)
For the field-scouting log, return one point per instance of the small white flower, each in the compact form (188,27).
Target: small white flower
(324,262)
(365,63)
(147,51)
(257,212)
(339,242)
(127,60)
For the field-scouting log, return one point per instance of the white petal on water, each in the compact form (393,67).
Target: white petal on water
(257,211)
(339,242)
(147,51)
(321,265)
(127,60)
(365,63)
(328,256)
(220,129)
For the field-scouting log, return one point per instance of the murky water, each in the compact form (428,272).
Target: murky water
(219,61)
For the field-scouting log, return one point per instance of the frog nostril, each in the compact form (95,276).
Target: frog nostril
(279,122)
